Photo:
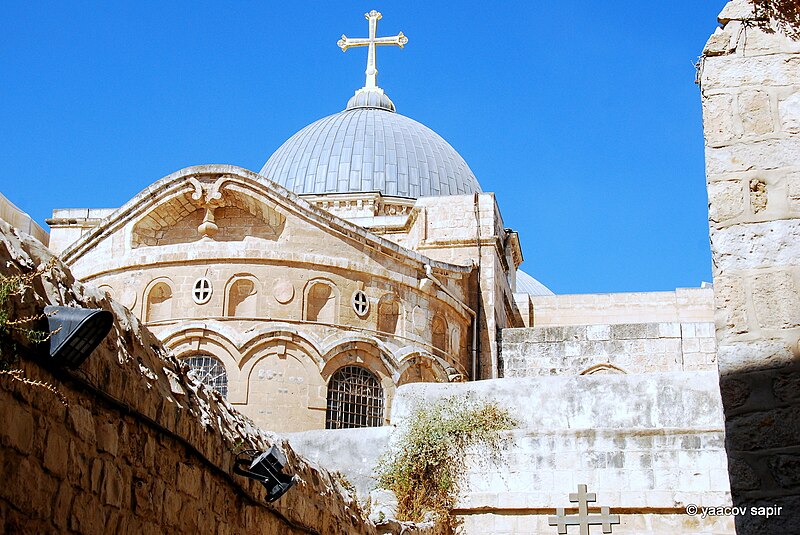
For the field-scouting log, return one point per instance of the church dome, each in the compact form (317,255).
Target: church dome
(369,147)
(528,285)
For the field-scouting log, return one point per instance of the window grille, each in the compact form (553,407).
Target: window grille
(360,302)
(202,291)
(209,371)
(355,399)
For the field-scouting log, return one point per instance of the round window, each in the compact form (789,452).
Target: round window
(360,302)
(202,291)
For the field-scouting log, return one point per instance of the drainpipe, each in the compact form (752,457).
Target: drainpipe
(476,342)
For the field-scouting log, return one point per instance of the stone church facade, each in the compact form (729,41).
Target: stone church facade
(362,257)
(363,269)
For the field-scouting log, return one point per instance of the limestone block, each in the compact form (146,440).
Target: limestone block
(737,10)
(107,438)
(731,304)
(786,470)
(776,300)
(740,357)
(669,330)
(113,491)
(755,245)
(718,118)
(790,113)
(738,71)
(17,430)
(82,422)
(760,155)
(720,43)
(755,112)
(725,200)
(786,387)
(777,428)
(793,191)
(56,453)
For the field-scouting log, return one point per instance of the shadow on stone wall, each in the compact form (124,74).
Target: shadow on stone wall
(762,412)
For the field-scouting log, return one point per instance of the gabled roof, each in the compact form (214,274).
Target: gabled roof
(185,182)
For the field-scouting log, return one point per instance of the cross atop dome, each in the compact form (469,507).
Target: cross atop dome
(371,95)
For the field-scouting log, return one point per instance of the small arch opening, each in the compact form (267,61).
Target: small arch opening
(389,314)
(243,299)
(159,302)
(439,333)
(321,303)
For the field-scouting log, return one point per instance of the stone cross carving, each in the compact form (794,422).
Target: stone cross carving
(372,41)
(583,519)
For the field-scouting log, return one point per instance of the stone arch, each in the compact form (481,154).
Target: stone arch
(439,333)
(367,354)
(105,289)
(158,298)
(321,301)
(241,297)
(603,368)
(421,368)
(385,363)
(270,336)
(285,389)
(198,338)
(389,312)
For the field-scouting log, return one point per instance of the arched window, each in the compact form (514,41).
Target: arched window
(388,314)
(321,303)
(209,371)
(439,333)
(355,399)
(243,299)
(159,302)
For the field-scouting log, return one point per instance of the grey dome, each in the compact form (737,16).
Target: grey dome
(370,149)
(528,285)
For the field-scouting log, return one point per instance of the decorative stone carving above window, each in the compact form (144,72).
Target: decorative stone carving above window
(218,210)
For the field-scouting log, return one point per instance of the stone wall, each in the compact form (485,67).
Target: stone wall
(683,305)
(621,348)
(139,447)
(648,445)
(16,217)
(750,85)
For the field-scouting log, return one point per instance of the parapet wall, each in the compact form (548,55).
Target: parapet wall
(621,348)
(140,448)
(688,305)
(648,445)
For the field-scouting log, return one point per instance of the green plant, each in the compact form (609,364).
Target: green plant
(426,465)
(11,287)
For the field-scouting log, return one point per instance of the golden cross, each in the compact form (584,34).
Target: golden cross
(372,41)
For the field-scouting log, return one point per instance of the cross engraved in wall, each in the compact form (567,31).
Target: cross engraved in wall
(372,41)
(583,518)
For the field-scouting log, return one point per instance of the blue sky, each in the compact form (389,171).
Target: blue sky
(582,116)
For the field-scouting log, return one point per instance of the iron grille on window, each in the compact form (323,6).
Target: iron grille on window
(355,399)
(209,371)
